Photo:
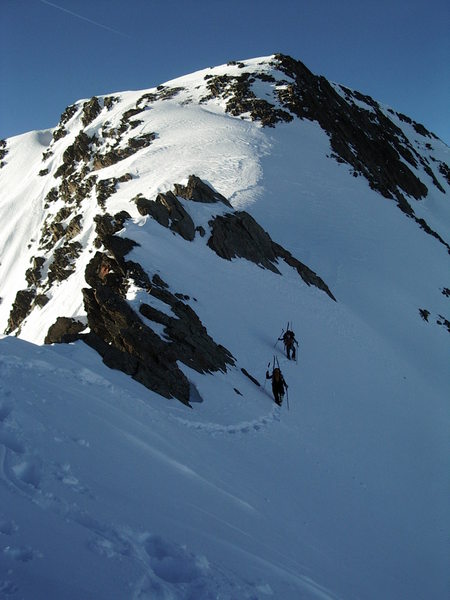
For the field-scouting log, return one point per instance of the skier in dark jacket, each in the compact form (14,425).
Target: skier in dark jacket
(278,385)
(289,343)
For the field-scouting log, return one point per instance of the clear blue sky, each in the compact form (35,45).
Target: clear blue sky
(59,51)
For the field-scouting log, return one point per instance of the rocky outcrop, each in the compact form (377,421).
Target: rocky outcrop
(199,191)
(367,140)
(239,235)
(168,211)
(3,152)
(239,98)
(33,274)
(91,110)
(125,338)
(64,331)
(189,338)
(20,309)
(233,235)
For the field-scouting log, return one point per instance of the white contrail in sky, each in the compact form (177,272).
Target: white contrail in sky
(84,18)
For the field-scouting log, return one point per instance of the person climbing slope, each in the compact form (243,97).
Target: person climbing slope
(278,385)
(289,341)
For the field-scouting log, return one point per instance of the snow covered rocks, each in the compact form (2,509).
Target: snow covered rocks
(180,285)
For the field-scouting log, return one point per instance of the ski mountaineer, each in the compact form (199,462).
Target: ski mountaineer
(278,385)
(289,341)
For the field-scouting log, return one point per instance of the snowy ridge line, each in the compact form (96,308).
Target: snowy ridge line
(243,427)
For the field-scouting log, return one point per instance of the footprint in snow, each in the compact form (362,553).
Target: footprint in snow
(7,588)
(238,428)
(20,554)
(175,572)
(173,563)
(63,473)
(28,471)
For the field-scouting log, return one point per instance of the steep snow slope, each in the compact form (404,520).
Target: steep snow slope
(340,495)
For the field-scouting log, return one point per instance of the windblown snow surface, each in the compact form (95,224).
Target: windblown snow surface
(109,491)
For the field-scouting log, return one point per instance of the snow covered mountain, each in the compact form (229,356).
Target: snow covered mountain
(168,236)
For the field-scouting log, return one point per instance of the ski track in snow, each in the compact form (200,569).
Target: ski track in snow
(244,427)
(168,570)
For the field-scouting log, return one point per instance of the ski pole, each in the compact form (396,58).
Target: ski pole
(278,339)
(287,398)
(265,378)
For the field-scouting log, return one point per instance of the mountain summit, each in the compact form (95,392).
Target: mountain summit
(189,156)
(154,247)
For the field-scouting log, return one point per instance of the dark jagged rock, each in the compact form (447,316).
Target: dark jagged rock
(63,262)
(117,154)
(424,313)
(162,93)
(199,191)
(167,93)
(3,152)
(41,300)
(79,151)
(91,110)
(118,246)
(109,102)
(59,133)
(105,188)
(444,169)
(239,235)
(168,211)
(132,346)
(74,188)
(64,330)
(20,309)
(67,114)
(307,274)
(33,274)
(240,99)
(52,195)
(367,140)
(190,340)
(121,336)
(444,322)
(109,225)
(74,227)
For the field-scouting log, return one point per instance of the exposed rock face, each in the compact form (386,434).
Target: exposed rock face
(239,235)
(124,333)
(64,330)
(126,343)
(125,339)
(234,234)
(3,152)
(91,110)
(190,339)
(199,191)
(365,139)
(20,309)
(33,274)
(240,99)
(169,212)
